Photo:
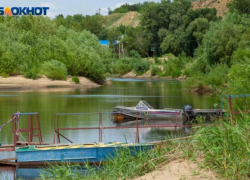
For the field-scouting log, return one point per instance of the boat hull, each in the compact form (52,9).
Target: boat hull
(149,114)
(80,154)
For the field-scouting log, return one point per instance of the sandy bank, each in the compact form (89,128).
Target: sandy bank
(21,83)
(179,169)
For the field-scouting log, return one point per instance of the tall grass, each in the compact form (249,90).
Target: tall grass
(223,147)
(226,148)
(126,164)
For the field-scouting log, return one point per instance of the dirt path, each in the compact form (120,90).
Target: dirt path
(127,19)
(178,170)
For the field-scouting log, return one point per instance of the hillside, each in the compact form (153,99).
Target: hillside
(220,5)
(127,19)
(132,18)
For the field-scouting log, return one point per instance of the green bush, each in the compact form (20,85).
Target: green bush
(122,66)
(155,70)
(172,69)
(140,66)
(31,73)
(157,61)
(196,81)
(75,80)
(218,75)
(54,70)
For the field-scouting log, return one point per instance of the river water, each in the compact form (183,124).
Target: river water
(127,92)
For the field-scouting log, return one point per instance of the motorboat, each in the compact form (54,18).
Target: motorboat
(143,110)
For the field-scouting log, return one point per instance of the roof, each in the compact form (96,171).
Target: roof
(106,42)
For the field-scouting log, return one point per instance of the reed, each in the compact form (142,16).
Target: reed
(226,148)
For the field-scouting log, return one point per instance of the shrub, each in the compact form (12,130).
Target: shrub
(31,73)
(134,54)
(54,70)
(140,66)
(155,70)
(75,79)
(157,61)
(217,76)
(122,66)
(171,69)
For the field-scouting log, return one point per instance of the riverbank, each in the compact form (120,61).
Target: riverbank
(20,83)
(180,169)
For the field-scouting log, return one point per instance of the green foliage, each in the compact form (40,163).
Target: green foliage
(240,56)
(134,54)
(239,77)
(75,80)
(172,69)
(128,7)
(218,75)
(134,39)
(155,70)
(122,66)
(27,42)
(127,164)
(62,172)
(78,22)
(54,70)
(225,148)
(140,66)
(174,66)
(223,38)
(239,6)
(157,61)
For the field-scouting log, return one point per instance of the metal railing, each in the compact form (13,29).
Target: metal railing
(57,130)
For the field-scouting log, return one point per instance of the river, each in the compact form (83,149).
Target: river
(127,92)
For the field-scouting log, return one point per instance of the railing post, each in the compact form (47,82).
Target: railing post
(137,130)
(58,136)
(221,114)
(14,130)
(100,127)
(231,110)
(175,123)
(29,127)
(54,135)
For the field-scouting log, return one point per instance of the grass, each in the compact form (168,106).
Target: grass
(111,19)
(223,147)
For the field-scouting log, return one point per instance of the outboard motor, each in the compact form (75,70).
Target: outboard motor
(189,113)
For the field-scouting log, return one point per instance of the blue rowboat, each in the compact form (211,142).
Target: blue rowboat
(79,153)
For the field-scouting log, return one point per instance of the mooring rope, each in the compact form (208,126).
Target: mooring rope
(1,127)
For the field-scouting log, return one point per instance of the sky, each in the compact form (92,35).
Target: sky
(71,7)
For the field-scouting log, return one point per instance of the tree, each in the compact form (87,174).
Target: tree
(240,6)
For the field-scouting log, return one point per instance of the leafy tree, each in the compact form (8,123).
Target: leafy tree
(223,38)
(240,6)
(134,40)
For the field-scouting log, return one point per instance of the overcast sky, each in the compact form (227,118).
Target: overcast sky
(70,7)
